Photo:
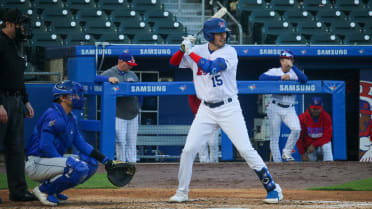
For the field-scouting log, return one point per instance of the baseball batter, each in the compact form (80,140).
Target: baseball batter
(214,67)
(282,108)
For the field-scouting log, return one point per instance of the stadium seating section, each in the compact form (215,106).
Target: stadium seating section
(82,22)
(320,22)
(71,22)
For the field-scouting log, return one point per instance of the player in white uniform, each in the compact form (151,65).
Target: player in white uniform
(214,67)
(282,108)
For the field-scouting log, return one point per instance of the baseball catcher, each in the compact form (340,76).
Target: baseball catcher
(56,132)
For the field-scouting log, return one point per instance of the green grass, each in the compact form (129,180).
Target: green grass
(361,185)
(98,180)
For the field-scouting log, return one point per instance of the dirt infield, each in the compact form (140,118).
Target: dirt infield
(225,185)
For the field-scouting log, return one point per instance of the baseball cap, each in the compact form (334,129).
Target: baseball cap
(14,16)
(365,107)
(316,102)
(128,58)
(286,54)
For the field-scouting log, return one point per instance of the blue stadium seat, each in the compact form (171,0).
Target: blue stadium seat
(357,38)
(330,16)
(158,15)
(119,16)
(291,38)
(116,38)
(55,14)
(169,27)
(362,16)
(263,16)
(142,6)
(73,39)
(97,28)
(174,38)
(270,31)
(348,6)
(284,5)
(251,5)
(133,27)
(80,4)
(343,28)
(314,6)
(325,39)
(64,27)
(147,38)
(44,39)
(42,5)
(22,5)
(298,16)
(112,5)
(38,25)
(91,15)
(310,28)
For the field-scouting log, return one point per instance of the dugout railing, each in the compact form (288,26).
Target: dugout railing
(109,92)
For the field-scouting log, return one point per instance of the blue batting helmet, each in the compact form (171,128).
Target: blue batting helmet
(68,87)
(215,25)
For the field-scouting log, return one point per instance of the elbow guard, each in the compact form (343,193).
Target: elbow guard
(212,67)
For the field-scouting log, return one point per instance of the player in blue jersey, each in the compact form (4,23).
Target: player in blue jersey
(55,133)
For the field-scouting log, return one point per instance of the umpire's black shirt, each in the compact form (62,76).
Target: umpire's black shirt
(12,67)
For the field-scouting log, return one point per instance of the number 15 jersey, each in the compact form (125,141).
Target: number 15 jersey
(217,87)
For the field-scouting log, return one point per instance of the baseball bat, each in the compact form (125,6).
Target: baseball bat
(219,14)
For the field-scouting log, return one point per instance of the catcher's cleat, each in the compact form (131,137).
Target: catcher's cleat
(274,196)
(179,197)
(287,157)
(45,198)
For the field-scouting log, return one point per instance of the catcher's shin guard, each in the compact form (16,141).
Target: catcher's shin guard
(266,179)
(75,173)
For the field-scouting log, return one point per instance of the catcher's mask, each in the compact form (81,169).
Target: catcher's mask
(215,25)
(72,88)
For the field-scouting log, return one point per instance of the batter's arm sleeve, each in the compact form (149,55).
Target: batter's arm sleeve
(300,144)
(301,76)
(176,58)
(327,130)
(209,66)
(265,77)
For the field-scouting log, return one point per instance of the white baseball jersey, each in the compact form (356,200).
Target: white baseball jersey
(287,99)
(213,88)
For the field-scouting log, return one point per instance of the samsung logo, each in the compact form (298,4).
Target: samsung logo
(93,51)
(270,51)
(331,52)
(155,51)
(297,87)
(148,88)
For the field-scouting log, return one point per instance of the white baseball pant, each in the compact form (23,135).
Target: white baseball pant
(229,118)
(126,139)
(325,150)
(276,115)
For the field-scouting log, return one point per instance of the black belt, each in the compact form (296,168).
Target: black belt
(11,93)
(217,104)
(282,105)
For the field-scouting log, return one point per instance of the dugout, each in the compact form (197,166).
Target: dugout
(344,63)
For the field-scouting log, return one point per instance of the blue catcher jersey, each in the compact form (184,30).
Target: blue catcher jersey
(54,133)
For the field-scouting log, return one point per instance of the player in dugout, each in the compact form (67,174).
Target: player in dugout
(315,142)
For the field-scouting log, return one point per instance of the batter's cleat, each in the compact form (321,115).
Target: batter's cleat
(45,198)
(61,197)
(274,196)
(287,157)
(179,197)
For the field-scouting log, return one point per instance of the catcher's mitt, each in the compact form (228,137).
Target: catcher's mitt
(120,173)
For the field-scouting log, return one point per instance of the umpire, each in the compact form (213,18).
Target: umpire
(14,105)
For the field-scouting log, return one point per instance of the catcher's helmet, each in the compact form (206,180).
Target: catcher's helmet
(68,87)
(286,54)
(215,25)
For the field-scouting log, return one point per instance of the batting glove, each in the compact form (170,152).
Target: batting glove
(186,46)
(190,38)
